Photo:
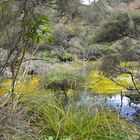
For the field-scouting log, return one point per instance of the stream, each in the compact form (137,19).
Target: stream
(116,103)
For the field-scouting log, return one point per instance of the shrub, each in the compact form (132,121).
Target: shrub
(63,79)
(66,56)
(49,55)
(62,33)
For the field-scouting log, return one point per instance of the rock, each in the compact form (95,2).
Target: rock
(7,74)
(36,67)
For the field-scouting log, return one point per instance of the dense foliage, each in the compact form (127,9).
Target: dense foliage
(118,26)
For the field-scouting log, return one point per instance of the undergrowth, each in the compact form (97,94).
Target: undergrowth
(54,120)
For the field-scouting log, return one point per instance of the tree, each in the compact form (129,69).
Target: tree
(23,25)
(118,26)
(125,29)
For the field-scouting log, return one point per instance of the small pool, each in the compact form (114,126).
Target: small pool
(122,105)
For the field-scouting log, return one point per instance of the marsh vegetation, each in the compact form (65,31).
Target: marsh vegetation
(69,71)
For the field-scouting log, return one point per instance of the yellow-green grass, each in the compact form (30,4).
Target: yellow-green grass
(132,64)
(96,81)
(100,84)
(79,64)
(28,85)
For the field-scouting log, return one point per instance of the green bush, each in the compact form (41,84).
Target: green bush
(62,33)
(49,56)
(66,56)
(61,78)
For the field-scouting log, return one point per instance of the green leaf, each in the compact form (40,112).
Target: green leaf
(44,39)
(36,39)
(50,138)
(50,39)
(41,30)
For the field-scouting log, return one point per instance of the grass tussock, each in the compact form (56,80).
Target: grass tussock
(52,119)
(61,78)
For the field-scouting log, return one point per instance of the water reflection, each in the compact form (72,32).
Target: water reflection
(124,107)
(116,103)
